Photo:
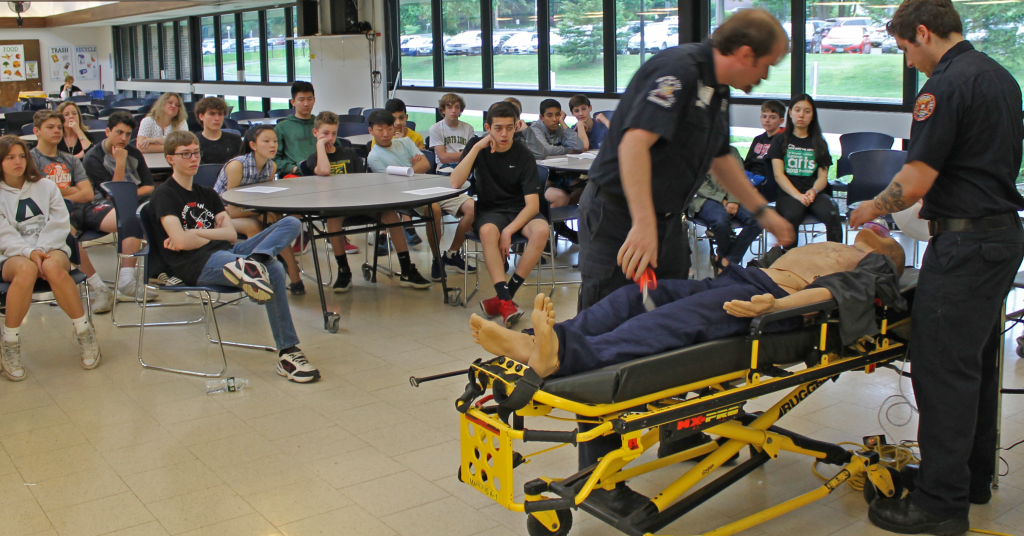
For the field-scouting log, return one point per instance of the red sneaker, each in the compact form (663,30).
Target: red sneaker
(510,313)
(491,307)
(350,248)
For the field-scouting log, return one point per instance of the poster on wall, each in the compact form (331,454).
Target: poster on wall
(12,63)
(32,69)
(86,66)
(60,63)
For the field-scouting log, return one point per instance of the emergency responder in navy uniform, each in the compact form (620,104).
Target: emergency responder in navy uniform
(964,157)
(670,128)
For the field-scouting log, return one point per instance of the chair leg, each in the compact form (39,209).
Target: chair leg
(222,342)
(208,301)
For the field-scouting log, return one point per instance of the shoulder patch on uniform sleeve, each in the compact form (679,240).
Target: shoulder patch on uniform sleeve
(924,107)
(664,93)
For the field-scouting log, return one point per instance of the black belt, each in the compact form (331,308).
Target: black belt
(975,225)
(620,201)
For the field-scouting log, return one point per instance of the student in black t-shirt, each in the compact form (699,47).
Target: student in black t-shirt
(217,146)
(800,160)
(773,113)
(194,235)
(508,201)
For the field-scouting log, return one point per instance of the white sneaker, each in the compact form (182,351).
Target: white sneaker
(130,293)
(252,277)
(10,360)
(295,367)
(89,347)
(102,299)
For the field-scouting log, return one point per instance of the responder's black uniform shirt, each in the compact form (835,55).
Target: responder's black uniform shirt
(676,96)
(968,126)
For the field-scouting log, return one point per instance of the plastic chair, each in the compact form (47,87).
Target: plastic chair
(81,98)
(232,131)
(27,129)
(607,113)
(351,119)
(410,125)
(247,114)
(281,112)
(859,141)
(873,170)
(78,276)
(351,129)
(432,158)
(36,104)
(144,109)
(16,120)
(107,112)
(131,102)
(95,124)
(150,100)
(355,111)
(366,113)
(555,215)
(124,195)
(207,175)
(97,136)
(205,292)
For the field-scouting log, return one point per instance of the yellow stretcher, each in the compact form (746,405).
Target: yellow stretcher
(702,388)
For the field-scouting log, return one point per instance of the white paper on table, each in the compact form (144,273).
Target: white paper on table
(263,190)
(584,156)
(432,191)
(403,171)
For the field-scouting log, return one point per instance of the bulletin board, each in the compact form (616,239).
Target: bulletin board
(9,90)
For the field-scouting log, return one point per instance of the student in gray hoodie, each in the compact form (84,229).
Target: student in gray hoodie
(563,188)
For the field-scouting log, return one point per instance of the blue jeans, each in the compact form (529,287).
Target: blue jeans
(270,242)
(720,224)
(756,180)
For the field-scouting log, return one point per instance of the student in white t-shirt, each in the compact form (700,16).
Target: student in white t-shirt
(167,115)
(449,136)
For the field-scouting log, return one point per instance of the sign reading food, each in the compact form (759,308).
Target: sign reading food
(12,63)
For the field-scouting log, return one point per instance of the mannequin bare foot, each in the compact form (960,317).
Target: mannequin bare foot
(500,341)
(544,358)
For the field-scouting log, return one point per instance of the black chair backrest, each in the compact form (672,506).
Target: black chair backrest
(189,106)
(96,124)
(366,113)
(81,98)
(432,158)
(411,125)
(873,170)
(193,124)
(106,112)
(150,100)
(153,251)
(247,114)
(281,112)
(124,195)
(607,114)
(232,131)
(207,175)
(144,109)
(130,102)
(355,111)
(27,129)
(36,104)
(351,129)
(15,120)
(97,136)
(859,141)
(229,124)
(351,119)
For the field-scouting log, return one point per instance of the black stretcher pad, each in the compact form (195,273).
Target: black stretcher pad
(641,377)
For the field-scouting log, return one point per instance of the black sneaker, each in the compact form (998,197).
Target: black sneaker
(457,260)
(435,270)
(412,237)
(294,366)
(413,279)
(343,283)
(297,288)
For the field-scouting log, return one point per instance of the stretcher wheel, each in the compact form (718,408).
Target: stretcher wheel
(536,528)
(367,272)
(897,483)
(455,297)
(332,321)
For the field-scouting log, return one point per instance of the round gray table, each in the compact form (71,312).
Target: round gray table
(29,137)
(360,139)
(156,161)
(259,121)
(567,163)
(318,198)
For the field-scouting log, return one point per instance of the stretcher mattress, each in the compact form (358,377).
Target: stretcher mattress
(700,362)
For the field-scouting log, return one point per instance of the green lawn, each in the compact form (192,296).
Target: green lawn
(276,63)
(870,76)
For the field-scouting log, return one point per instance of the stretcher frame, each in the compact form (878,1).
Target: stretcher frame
(486,435)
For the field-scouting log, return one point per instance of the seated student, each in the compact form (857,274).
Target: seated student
(218,146)
(254,166)
(34,231)
(87,213)
(396,107)
(619,328)
(331,158)
(401,152)
(69,88)
(200,244)
(719,209)
(800,160)
(397,152)
(772,113)
(508,188)
(74,141)
(167,115)
(448,136)
(524,134)
(594,128)
(295,141)
(563,188)
(115,160)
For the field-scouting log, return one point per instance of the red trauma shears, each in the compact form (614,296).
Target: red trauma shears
(648,281)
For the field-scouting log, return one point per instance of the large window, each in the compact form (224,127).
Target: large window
(153,32)
(300,54)
(170,52)
(184,51)
(251,45)
(644,28)
(462,44)
(229,48)
(779,81)
(849,57)
(277,46)
(416,42)
(140,54)
(515,45)
(208,42)
(577,45)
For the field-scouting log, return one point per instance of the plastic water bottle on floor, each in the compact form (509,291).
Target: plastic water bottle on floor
(229,385)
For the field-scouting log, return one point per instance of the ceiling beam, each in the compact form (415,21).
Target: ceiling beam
(11,23)
(115,11)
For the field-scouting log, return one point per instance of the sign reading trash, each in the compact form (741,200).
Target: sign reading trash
(60,63)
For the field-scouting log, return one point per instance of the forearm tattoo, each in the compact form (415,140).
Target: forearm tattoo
(891,199)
